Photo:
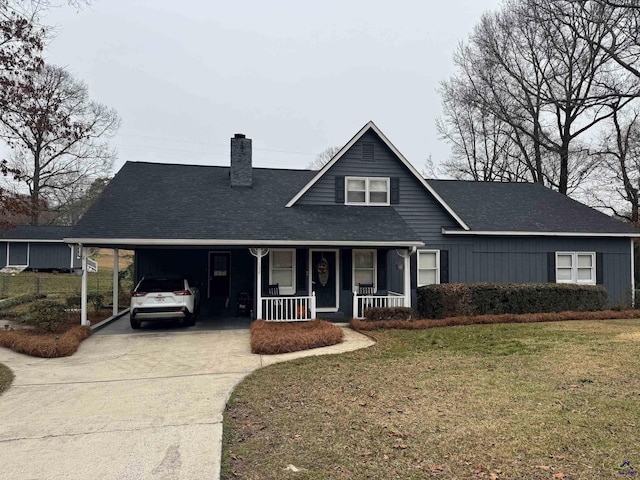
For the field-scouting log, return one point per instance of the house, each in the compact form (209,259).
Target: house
(367,229)
(41,247)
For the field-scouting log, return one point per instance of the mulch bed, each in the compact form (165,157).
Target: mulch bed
(283,337)
(419,324)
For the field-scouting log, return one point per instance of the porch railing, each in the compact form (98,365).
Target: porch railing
(362,302)
(289,309)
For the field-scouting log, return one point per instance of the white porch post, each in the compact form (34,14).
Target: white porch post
(313,305)
(407,278)
(116,271)
(259,284)
(259,253)
(83,292)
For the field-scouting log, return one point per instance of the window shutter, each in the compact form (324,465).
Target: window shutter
(599,273)
(301,269)
(382,270)
(551,267)
(444,266)
(345,264)
(339,189)
(395,191)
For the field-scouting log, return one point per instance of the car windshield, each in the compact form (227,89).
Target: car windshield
(161,285)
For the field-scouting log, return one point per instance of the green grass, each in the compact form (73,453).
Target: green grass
(484,401)
(62,284)
(6,377)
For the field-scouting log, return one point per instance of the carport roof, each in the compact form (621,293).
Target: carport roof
(167,204)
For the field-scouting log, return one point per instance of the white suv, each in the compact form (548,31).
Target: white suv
(158,297)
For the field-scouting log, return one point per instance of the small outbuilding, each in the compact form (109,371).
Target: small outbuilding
(41,248)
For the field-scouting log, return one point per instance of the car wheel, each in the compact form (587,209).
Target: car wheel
(135,323)
(190,321)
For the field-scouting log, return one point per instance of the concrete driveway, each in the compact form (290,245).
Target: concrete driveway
(131,406)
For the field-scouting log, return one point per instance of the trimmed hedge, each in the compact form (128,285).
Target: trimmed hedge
(468,299)
(374,314)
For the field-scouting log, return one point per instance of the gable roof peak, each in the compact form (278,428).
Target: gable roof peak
(370,126)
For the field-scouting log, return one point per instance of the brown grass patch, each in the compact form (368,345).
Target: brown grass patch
(283,337)
(420,324)
(46,345)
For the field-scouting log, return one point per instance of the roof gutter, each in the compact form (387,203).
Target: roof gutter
(245,243)
(506,233)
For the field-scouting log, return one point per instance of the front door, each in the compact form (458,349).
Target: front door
(219,274)
(324,279)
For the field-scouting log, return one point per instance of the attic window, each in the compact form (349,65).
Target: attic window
(367,190)
(367,152)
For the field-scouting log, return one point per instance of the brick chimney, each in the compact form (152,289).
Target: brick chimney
(241,169)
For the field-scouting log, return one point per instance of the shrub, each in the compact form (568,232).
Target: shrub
(46,315)
(96,300)
(449,300)
(19,300)
(47,345)
(373,314)
(283,337)
(73,301)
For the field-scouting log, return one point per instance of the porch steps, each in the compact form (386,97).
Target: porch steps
(336,317)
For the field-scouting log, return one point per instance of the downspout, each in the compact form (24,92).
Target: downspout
(633,276)
(83,292)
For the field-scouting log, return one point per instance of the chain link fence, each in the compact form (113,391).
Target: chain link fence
(63,285)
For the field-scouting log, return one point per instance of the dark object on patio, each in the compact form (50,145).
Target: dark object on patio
(273,290)
(245,304)
(366,289)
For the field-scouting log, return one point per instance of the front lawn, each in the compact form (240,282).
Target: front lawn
(536,401)
(6,377)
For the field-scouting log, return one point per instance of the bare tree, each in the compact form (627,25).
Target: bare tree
(529,66)
(323,158)
(57,135)
(619,167)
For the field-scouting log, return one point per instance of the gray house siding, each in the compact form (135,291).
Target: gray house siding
(54,256)
(18,253)
(3,254)
(416,205)
(525,260)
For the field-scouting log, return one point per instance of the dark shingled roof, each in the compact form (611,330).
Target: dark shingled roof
(174,202)
(524,207)
(36,232)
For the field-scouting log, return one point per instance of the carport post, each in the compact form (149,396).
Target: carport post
(83,292)
(259,285)
(116,271)
(259,253)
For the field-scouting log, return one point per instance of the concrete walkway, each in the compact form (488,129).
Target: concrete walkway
(130,406)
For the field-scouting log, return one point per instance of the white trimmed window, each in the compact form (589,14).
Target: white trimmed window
(428,267)
(367,190)
(576,267)
(365,264)
(282,270)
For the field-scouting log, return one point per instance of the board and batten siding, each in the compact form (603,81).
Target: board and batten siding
(54,256)
(416,205)
(525,260)
(18,253)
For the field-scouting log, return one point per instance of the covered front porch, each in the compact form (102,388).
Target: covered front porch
(282,282)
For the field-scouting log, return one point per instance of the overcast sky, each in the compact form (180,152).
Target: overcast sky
(296,76)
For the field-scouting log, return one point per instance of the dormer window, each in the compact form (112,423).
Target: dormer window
(367,190)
